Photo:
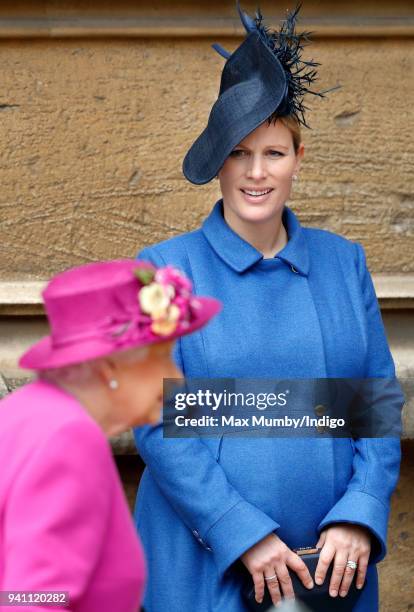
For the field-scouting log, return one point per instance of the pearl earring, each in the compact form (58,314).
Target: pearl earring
(295,177)
(113,384)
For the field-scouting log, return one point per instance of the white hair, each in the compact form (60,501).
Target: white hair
(84,372)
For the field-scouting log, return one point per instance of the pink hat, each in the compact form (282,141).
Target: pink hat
(97,309)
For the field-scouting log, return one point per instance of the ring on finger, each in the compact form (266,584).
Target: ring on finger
(268,578)
(352,565)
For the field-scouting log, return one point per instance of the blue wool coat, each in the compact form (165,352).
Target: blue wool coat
(309,312)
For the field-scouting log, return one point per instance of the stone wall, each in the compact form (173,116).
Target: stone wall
(99,103)
(94,129)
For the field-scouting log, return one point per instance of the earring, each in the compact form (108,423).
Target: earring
(295,177)
(113,384)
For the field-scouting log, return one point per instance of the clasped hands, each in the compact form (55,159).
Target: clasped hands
(269,559)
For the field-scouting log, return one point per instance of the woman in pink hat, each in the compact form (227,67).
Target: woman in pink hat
(66,535)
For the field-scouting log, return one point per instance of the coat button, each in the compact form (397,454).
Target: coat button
(320,409)
(293,269)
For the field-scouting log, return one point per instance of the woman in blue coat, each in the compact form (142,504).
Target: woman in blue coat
(298,303)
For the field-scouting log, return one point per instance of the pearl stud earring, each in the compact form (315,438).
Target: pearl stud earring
(295,177)
(113,384)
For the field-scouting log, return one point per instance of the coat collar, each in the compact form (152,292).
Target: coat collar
(240,255)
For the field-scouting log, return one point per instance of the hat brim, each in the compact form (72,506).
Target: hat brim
(43,355)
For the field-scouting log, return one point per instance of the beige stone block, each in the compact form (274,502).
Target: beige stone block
(94,132)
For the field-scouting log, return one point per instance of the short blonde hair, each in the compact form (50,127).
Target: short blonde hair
(292,124)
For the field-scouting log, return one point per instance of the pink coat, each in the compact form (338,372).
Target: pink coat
(64,521)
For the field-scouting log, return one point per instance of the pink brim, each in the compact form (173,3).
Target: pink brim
(43,355)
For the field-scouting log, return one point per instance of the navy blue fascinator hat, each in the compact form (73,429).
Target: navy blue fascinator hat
(264,75)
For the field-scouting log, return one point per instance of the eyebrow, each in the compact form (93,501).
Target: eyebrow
(273,146)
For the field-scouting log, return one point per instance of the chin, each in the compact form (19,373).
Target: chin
(256,214)
(153,419)
(156,414)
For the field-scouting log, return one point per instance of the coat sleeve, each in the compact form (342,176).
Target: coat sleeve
(56,515)
(376,462)
(188,475)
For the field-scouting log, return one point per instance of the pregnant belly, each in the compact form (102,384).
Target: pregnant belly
(294,481)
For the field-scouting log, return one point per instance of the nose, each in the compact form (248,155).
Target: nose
(257,167)
(172,371)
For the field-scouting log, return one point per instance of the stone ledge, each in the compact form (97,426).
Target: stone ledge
(394,291)
(21,298)
(187,19)
(151,28)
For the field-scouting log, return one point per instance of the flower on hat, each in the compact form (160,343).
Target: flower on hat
(154,300)
(171,276)
(165,297)
(166,325)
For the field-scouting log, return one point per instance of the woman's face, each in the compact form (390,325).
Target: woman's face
(256,178)
(138,398)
